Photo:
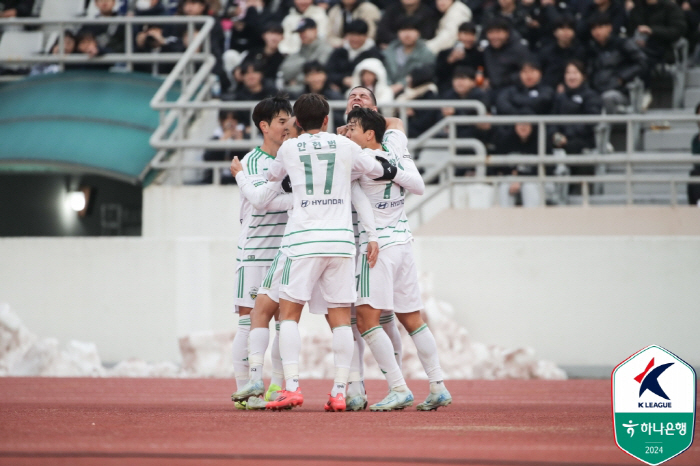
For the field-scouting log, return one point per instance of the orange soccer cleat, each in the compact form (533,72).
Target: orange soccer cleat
(286,400)
(335,403)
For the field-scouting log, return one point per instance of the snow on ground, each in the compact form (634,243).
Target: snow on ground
(208,354)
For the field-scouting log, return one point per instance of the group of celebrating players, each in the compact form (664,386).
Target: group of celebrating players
(300,192)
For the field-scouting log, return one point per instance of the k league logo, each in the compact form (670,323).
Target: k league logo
(653,404)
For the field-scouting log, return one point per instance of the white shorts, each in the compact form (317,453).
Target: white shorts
(392,284)
(248,280)
(334,276)
(270,284)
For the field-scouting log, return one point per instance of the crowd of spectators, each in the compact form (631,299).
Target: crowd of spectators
(518,57)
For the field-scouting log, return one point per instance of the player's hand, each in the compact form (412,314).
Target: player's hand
(236,166)
(389,169)
(287,184)
(342,130)
(372,253)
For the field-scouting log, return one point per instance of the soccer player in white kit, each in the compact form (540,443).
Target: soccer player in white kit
(318,244)
(263,217)
(393,283)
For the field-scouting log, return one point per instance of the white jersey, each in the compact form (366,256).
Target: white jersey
(387,197)
(263,213)
(321,167)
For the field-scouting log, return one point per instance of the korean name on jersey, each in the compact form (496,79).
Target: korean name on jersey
(387,198)
(261,231)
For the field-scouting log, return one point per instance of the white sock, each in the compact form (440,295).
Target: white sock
(389,326)
(259,339)
(360,347)
(428,355)
(342,357)
(277,368)
(380,345)
(290,346)
(355,385)
(240,352)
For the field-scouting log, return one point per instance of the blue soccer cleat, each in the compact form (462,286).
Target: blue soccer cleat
(435,400)
(252,388)
(393,401)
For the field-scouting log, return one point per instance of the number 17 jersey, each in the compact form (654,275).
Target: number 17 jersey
(321,168)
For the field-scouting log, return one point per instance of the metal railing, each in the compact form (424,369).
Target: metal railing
(129,57)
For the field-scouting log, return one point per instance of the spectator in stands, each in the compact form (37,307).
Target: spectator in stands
(577,98)
(691,10)
(253,88)
(316,80)
(454,13)
(612,62)
(216,36)
(269,56)
(405,54)
(148,8)
(343,14)
(230,129)
(655,26)
(371,74)
(464,87)
(248,22)
(541,19)
(557,54)
(520,139)
(312,49)
(512,12)
(358,46)
(420,86)
(694,189)
(530,96)
(86,43)
(504,55)
(302,9)
(463,53)
(16,8)
(107,36)
(615,10)
(50,68)
(395,15)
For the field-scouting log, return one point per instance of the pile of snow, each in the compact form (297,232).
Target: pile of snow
(208,354)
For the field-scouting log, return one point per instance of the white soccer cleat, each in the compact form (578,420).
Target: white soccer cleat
(356,403)
(256,403)
(435,400)
(393,401)
(252,388)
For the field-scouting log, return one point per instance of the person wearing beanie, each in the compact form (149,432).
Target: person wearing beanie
(356,47)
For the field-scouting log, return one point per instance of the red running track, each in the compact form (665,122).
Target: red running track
(193,422)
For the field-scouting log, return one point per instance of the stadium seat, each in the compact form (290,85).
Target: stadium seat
(59,9)
(17,44)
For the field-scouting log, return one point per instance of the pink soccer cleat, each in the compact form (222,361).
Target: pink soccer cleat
(335,403)
(286,400)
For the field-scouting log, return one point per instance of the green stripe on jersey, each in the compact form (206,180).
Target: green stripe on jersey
(330,254)
(271,272)
(285,272)
(241,271)
(324,241)
(319,229)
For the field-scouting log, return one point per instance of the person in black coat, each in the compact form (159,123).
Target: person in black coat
(504,55)
(612,63)
(557,54)
(356,47)
(395,15)
(694,188)
(615,9)
(316,82)
(577,98)
(268,56)
(529,97)
(253,88)
(107,36)
(464,53)
(656,25)
(511,11)
(420,86)
(229,129)
(520,139)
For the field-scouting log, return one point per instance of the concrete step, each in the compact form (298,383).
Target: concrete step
(691,97)
(693,77)
(675,138)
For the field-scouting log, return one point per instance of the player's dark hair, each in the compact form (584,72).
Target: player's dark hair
(369,119)
(269,108)
(311,110)
(371,94)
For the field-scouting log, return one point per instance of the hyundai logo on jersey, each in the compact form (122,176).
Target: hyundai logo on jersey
(381,205)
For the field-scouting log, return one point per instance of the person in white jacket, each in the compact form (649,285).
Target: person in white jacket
(302,9)
(371,74)
(454,13)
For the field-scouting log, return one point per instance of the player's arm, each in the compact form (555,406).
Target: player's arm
(276,171)
(407,174)
(365,214)
(282,202)
(259,192)
(364,164)
(364,211)
(395,123)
